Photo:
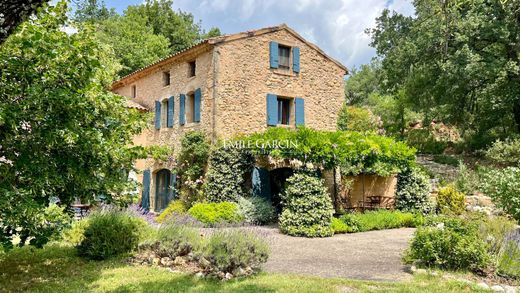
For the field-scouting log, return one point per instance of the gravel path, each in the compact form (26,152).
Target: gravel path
(374,255)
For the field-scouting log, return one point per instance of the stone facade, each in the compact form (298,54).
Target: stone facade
(234,75)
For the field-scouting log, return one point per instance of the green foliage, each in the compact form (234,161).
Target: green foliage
(446,160)
(109,234)
(175,207)
(175,240)
(505,152)
(380,220)
(192,161)
(256,210)
(450,200)
(413,192)
(134,43)
(92,11)
(339,227)
(63,134)
(353,151)
(453,244)
(495,230)
(363,81)
(229,251)
(76,233)
(226,174)
(358,119)
(467,180)
(503,186)
(508,264)
(425,142)
(307,207)
(445,69)
(213,213)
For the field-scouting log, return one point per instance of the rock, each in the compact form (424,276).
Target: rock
(204,262)
(410,269)
(509,289)
(199,275)
(483,285)
(165,261)
(497,288)
(421,271)
(179,261)
(156,261)
(228,276)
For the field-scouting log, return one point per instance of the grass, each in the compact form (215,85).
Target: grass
(57,269)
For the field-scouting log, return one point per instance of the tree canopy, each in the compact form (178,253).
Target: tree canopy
(456,61)
(63,134)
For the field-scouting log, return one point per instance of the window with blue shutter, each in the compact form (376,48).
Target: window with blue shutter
(170,111)
(273,54)
(272,110)
(145,196)
(157,115)
(196,105)
(182,110)
(299,106)
(296,59)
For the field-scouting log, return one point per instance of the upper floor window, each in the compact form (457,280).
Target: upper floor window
(284,110)
(134,92)
(166,78)
(192,67)
(284,54)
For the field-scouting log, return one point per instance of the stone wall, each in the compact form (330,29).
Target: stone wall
(245,78)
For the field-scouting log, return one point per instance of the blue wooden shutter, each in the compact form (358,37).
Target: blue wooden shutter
(299,111)
(182,110)
(296,59)
(171,191)
(171,102)
(157,115)
(273,54)
(272,110)
(196,105)
(145,198)
(261,183)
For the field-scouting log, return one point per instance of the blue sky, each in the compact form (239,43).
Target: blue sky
(336,26)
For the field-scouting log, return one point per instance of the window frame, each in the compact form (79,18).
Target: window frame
(284,102)
(134,91)
(282,47)
(166,78)
(192,68)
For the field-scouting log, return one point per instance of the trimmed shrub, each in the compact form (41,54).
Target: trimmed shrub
(503,186)
(215,213)
(256,210)
(232,251)
(175,240)
(449,200)
(413,192)
(110,233)
(338,226)
(452,244)
(177,207)
(226,174)
(307,208)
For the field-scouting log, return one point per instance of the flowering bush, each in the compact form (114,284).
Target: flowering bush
(503,186)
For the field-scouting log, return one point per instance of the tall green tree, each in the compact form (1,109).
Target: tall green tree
(93,11)
(363,82)
(134,43)
(457,61)
(63,134)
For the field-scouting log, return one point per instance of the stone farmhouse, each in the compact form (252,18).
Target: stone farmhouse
(230,85)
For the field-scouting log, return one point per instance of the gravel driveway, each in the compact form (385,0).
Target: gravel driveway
(374,255)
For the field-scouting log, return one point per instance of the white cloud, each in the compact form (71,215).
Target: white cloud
(335,26)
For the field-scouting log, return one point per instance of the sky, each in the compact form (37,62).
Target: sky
(336,26)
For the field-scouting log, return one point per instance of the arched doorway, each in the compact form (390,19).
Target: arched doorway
(163,179)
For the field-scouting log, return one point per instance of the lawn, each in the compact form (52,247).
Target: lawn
(57,269)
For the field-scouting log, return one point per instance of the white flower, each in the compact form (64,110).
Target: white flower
(440,226)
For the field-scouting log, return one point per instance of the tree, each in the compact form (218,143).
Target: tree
(361,83)
(457,61)
(133,41)
(63,134)
(178,27)
(93,11)
(13,12)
